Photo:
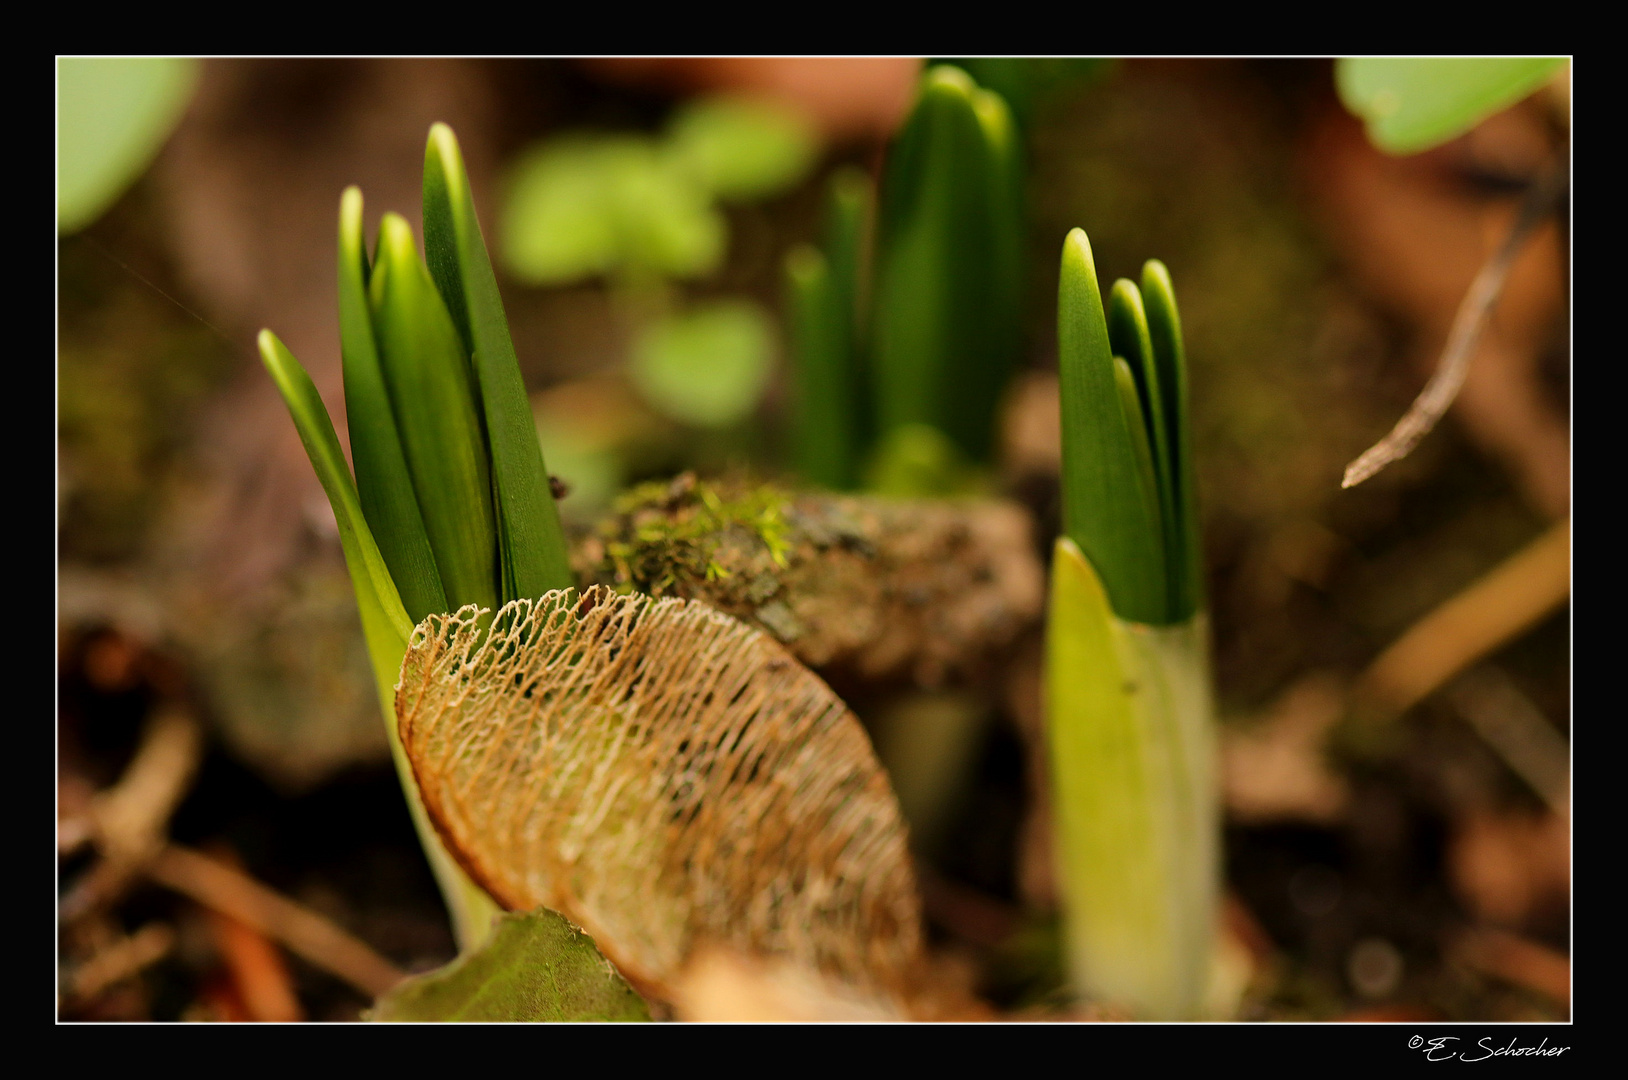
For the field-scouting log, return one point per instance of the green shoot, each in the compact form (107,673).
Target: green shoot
(824,296)
(921,335)
(451,503)
(943,331)
(1128,694)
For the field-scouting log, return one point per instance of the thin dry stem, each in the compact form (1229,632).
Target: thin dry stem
(302,930)
(119,961)
(128,821)
(1492,611)
(1468,324)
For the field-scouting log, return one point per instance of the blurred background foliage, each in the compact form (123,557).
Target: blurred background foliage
(640,212)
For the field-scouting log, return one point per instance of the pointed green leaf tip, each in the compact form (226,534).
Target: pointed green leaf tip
(944,319)
(383,617)
(437,413)
(382,478)
(1127,459)
(533,553)
(1107,509)
(535,967)
(1184,547)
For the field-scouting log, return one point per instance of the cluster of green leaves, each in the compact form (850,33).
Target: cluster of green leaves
(630,206)
(904,348)
(1414,103)
(448,466)
(451,503)
(1128,488)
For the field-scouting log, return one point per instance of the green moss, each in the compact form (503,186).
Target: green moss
(666,536)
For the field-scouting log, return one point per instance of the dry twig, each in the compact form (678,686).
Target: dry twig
(118,962)
(1468,324)
(302,930)
(128,821)
(1509,723)
(1493,610)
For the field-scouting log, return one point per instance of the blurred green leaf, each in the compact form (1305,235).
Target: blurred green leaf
(535,967)
(113,114)
(822,429)
(944,317)
(742,148)
(1412,104)
(708,366)
(593,473)
(437,412)
(1024,81)
(917,461)
(824,292)
(584,205)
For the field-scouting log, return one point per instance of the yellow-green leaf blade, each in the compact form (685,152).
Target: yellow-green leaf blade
(384,621)
(375,593)
(1132,747)
(382,479)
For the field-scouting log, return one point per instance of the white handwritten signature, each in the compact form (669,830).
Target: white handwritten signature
(1441,1048)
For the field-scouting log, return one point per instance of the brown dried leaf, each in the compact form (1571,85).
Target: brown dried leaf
(668,778)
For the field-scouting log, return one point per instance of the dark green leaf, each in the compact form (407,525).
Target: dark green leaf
(1024,81)
(823,437)
(533,553)
(1129,337)
(534,967)
(1170,358)
(1413,103)
(382,479)
(1131,408)
(943,329)
(1106,510)
(437,416)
